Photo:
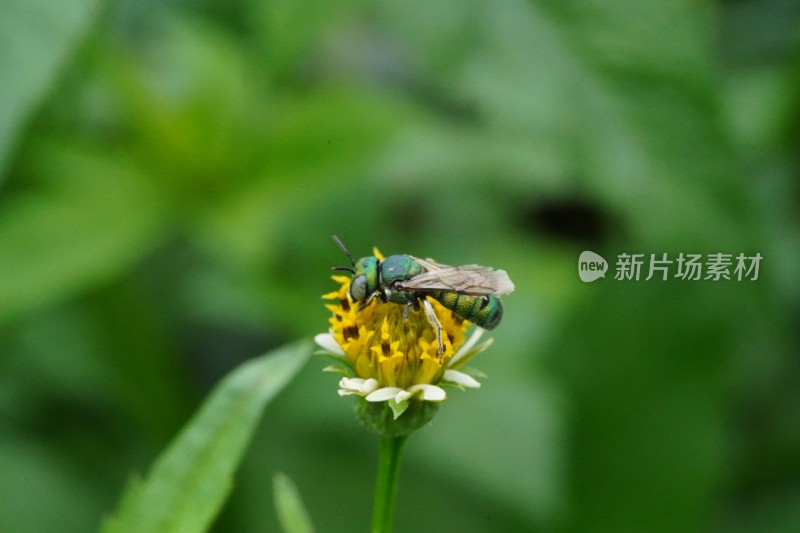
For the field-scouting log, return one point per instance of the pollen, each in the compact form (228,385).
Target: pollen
(380,344)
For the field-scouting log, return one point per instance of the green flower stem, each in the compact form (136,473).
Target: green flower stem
(386,487)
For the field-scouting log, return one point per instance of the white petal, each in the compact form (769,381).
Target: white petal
(460,378)
(402,396)
(384,394)
(467,346)
(370,385)
(328,343)
(430,393)
(353,384)
(357,386)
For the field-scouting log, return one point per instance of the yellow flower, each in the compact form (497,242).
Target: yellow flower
(391,358)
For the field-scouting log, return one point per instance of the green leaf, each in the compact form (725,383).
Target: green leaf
(291,511)
(398,408)
(191,479)
(36,37)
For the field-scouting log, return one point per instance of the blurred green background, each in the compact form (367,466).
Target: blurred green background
(172,173)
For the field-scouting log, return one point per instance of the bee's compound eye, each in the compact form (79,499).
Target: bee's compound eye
(358,288)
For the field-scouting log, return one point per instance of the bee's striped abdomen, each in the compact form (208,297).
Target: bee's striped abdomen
(483,311)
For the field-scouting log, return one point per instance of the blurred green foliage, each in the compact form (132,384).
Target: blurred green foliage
(172,174)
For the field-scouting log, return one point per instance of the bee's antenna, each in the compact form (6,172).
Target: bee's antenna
(341,246)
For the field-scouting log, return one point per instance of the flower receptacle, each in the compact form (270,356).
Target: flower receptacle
(380,416)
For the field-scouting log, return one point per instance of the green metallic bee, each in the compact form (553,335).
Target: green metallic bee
(470,291)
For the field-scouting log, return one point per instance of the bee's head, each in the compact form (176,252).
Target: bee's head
(365,274)
(365,278)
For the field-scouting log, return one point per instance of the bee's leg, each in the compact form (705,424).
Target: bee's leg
(373,296)
(430,314)
(368,301)
(409,306)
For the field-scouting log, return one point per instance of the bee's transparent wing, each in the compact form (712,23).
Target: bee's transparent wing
(474,280)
